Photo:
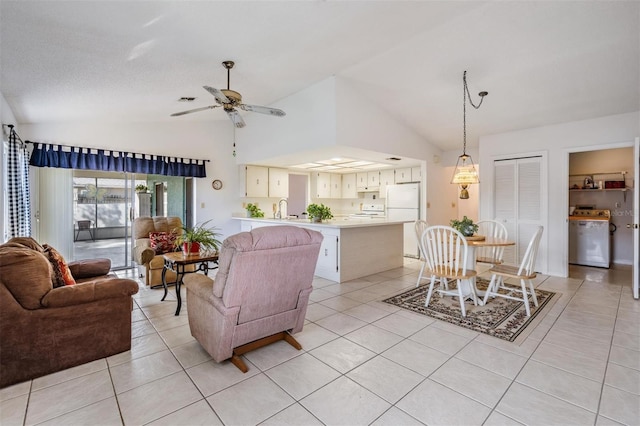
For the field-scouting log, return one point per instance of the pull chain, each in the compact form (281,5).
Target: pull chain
(465,94)
(234,141)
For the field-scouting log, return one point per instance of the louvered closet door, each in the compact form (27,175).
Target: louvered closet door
(517,202)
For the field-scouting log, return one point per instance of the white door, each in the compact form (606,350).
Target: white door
(518,204)
(636,220)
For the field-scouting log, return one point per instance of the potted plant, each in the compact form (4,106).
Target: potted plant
(254,211)
(319,212)
(465,226)
(198,237)
(142,188)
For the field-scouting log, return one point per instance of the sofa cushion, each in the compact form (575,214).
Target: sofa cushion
(61,272)
(89,268)
(162,242)
(25,273)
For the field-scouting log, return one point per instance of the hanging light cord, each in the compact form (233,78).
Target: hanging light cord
(465,94)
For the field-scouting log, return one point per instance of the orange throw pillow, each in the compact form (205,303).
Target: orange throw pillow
(61,272)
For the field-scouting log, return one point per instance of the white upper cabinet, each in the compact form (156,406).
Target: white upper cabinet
(321,185)
(336,185)
(362,181)
(416,174)
(278,183)
(387,177)
(257,181)
(403,175)
(349,186)
(374,180)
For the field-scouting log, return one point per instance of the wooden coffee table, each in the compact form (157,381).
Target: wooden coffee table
(178,262)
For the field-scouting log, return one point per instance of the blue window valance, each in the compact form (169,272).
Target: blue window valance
(69,157)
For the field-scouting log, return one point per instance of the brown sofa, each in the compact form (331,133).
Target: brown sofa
(45,329)
(150,264)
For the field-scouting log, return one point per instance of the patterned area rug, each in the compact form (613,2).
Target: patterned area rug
(502,318)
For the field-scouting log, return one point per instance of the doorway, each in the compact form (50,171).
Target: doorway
(298,194)
(602,179)
(103,203)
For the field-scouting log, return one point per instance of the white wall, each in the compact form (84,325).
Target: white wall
(310,123)
(557,141)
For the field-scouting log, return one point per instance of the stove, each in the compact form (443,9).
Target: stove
(370,211)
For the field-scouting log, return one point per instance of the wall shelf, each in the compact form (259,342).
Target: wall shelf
(576,182)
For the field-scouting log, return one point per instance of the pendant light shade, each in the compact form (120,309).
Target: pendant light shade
(465,172)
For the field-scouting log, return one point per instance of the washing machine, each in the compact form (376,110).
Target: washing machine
(589,239)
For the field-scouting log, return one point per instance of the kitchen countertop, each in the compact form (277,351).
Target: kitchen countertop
(336,222)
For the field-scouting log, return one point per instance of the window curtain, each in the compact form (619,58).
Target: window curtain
(18,193)
(60,156)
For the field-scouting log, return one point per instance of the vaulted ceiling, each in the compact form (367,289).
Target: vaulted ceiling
(542,62)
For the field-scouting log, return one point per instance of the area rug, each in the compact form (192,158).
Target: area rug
(502,318)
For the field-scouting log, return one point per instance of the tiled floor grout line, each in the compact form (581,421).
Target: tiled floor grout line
(606,366)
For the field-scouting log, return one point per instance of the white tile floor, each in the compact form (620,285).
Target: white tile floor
(363,363)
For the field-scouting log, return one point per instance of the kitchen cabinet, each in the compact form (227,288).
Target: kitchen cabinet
(321,185)
(349,250)
(367,181)
(403,175)
(416,174)
(387,177)
(278,183)
(362,181)
(328,258)
(349,186)
(373,179)
(336,185)
(256,181)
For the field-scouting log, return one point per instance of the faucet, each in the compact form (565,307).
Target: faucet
(279,212)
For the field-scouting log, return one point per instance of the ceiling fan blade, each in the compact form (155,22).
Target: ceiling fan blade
(262,110)
(176,114)
(220,97)
(236,118)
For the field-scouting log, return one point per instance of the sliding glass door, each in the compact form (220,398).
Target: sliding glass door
(106,203)
(103,209)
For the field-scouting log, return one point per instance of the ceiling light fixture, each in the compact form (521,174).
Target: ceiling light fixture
(465,172)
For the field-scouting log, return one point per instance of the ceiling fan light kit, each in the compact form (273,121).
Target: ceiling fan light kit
(229,100)
(465,172)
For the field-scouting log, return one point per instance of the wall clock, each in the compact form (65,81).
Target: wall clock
(216,184)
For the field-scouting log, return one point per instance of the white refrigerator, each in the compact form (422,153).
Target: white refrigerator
(403,203)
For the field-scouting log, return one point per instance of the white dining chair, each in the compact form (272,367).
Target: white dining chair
(525,273)
(420,226)
(492,255)
(445,253)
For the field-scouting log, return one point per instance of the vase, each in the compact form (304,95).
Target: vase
(189,248)
(316,219)
(467,231)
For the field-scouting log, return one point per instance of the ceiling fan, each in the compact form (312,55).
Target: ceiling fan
(230,100)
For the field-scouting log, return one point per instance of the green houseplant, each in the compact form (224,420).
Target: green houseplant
(198,237)
(465,226)
(319,212)
(254,211)
(141,188)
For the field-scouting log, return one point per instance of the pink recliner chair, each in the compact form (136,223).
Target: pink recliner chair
(259,295)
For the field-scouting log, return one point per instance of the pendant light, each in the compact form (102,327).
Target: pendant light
(465,172)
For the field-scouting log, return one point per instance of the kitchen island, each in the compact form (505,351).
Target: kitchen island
(352,248)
